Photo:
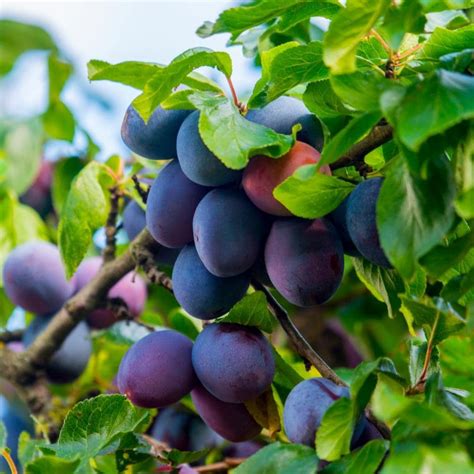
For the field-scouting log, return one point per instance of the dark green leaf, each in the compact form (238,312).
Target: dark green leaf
(310,194)
(458,287)
(417,351)
(286,376)
(410,220)
(252,310)
(458,62)
(231,137)
(52,464)
(321,99)
(347,29)
(279,458)
(176,457)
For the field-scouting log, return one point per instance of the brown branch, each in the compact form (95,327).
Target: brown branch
(146,260)
(138,186)
(11,336)
(379,135)
(108,253)
(225,465)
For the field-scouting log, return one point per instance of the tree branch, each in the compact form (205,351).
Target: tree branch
(11,336)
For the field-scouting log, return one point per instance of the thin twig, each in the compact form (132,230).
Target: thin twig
(108,253)
(225,465)
(138,186)
(11,336)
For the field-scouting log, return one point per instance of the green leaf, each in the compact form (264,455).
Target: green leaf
(292,66)
(429,107)
(231,137)
(458,62)
(417,351)
(410,219)
(366,459)
(279,458)
(51,464)
(310,194)
(434,315)
(20,154)
(64,173)
(354,131)
(96,424)
(59,122)
(85,210)
(3,435)
(182,323)
(322,101)
(347,29)
(458,287)
(16,38)
(161,85)
(264,411)
(252,310)
(286,377)
(333,438)
(176,457)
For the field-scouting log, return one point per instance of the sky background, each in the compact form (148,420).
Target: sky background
(113,31)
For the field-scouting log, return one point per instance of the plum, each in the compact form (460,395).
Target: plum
(339,219)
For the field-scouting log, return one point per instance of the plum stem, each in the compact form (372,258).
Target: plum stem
(236,100)
(108,253)
(138,186)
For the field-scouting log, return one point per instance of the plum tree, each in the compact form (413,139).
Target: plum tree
(71,359)
(305,407)
(183,430)
(155,139)
(233,362)
(171,203)
(304,260)
(264,174)
(131,289)
(229,232)
(157,370)
(34,278)
(198,163)
(339,219)
(285,112)
(362,222)
(230,420)
(201,293)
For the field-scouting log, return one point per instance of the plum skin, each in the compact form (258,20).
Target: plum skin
(362,221)
(199,292)
(233,362)
(155,139)
(34,278)
(232,421)
(339,219)
(264,174)
(198,163)
(71,359)
(229,232)
(157,370)
(171,204)
(304,260)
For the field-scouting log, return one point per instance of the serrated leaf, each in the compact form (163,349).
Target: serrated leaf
(264,410)
(161,85)
(287,69)
(322,101)
(51,464)
(409,220)
(252,310)
(279,458)
(231,137)
(435,315)
(366,459)
(310,194)
(85,210)
(347,29)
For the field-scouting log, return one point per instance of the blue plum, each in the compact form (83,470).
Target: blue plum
(171,203)
(157,370)
(71,359)
(155,139)
(198,163)
(284,112)
(230,420)
(339,219)
(233,362)
(362,221)
(229,232)
(304,260)
(199,292)
(34,278)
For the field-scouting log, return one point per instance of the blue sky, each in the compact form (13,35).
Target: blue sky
(113,31)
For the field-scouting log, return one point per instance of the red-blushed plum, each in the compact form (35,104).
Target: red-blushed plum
(71,359)
(305,407)
(131,289)
(283,113)
(171,203)
(34,278)
(264,174)
(304,260)
(230,420)
(362,223)
(233,362)
(339,219)
(199,292)
(229,232)
(155,139)
(157,370)
(198,163)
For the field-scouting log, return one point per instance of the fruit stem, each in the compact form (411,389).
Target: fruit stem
(234,94)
